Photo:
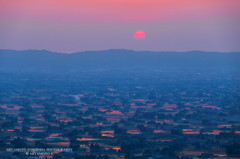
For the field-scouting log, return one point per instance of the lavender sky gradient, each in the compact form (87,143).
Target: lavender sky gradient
(80,25)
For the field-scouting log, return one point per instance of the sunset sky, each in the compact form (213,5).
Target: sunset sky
(80,25)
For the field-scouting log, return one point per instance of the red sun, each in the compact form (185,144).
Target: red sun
(139,35)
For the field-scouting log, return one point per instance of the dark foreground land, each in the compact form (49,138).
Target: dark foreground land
(120,113)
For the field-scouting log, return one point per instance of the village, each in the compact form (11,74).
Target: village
(161,115)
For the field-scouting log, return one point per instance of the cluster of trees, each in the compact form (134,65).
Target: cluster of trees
(149,115)
(223,135)
(91,156)
(176,131)
(9,123)
(19,143)
(42,144)
(94,147)
(118,130)
(233,149)
(132,146)
(142,128)
(170,151)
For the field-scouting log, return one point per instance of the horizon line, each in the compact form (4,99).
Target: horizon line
(119,49)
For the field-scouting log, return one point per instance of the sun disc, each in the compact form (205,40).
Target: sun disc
(139,35)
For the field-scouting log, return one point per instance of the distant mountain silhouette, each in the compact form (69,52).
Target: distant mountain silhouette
(116,59)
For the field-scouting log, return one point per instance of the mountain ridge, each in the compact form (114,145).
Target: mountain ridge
(116,58)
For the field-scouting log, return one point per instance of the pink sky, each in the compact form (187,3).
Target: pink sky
(79,25)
